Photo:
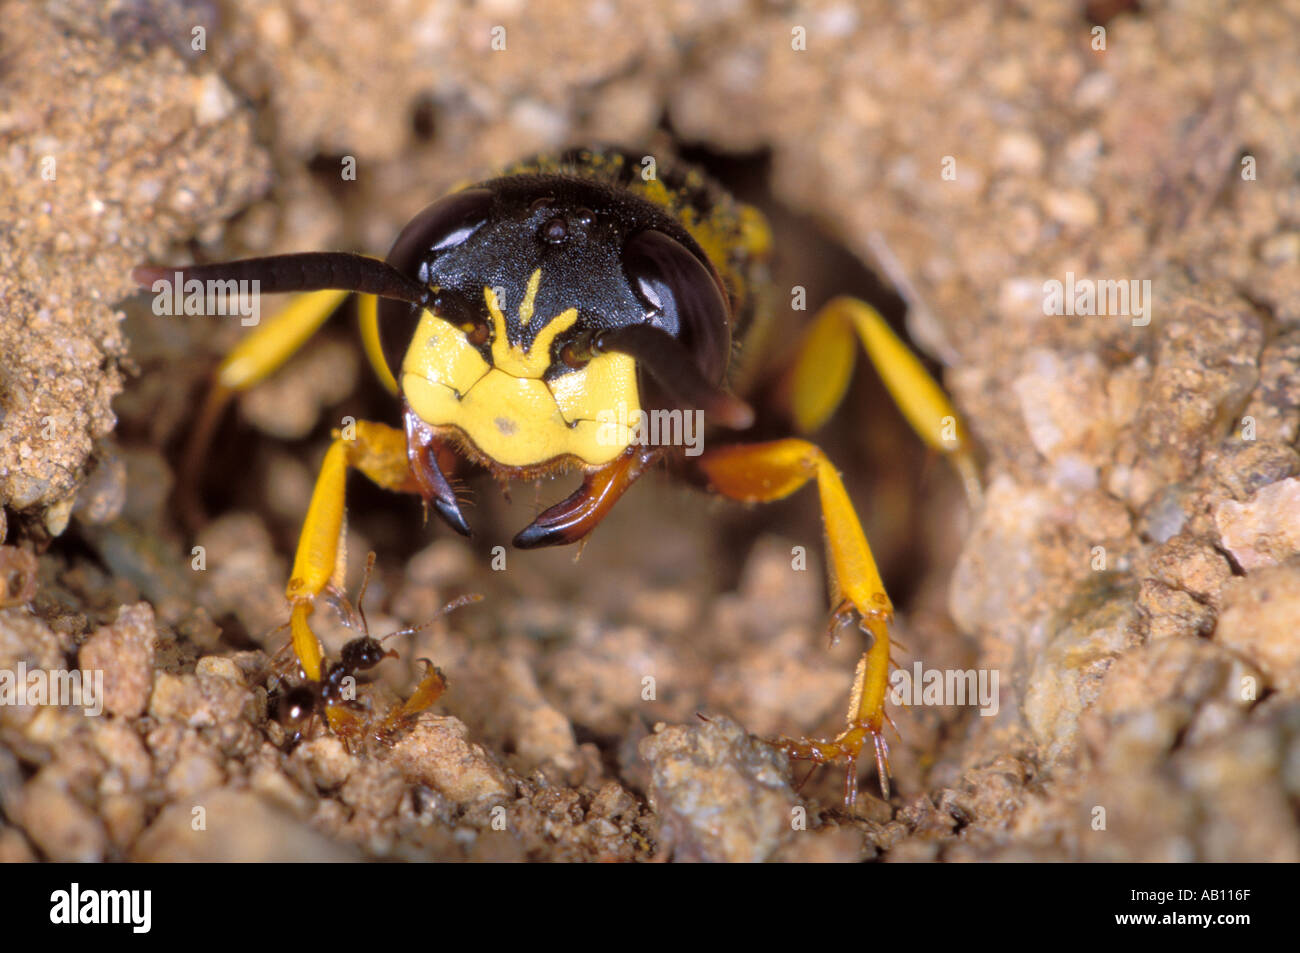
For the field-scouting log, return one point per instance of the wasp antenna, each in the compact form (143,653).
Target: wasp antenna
(307,271)
(669,362)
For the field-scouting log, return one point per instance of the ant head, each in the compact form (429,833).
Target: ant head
(364,653)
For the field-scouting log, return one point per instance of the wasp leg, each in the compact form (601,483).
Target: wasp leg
(378,451)
(368,319)
(764,472)
(821,373)
(251,361)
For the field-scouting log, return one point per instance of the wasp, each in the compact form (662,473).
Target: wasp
(522,322)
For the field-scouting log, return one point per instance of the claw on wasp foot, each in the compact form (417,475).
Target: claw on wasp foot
(841,617)
(882,763)
(846,748)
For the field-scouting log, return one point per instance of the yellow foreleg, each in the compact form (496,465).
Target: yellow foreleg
(253,359)
(368,315)
(378,451)
(264,350)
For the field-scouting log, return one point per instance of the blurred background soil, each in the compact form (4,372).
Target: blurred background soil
(1133,573)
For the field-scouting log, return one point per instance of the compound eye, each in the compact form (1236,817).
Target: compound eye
(442,226)
(445,224)
(683,297)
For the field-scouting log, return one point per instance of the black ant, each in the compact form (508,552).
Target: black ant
(333,698)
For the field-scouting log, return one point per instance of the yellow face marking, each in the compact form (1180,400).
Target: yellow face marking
(530,297)
(597,388)
(513,359)
(509,413)
(440,353)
